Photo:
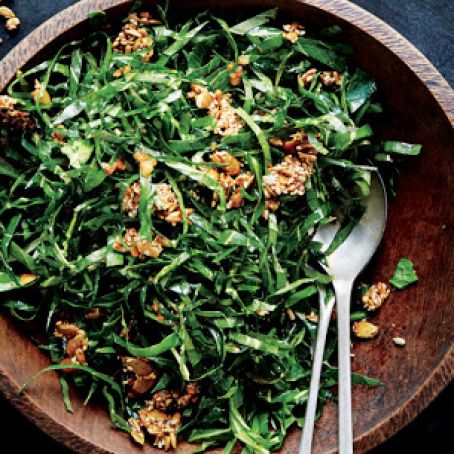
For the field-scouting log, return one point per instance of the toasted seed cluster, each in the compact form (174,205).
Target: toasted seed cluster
(328,78)
(111,168)
(131,200)
(76,342)
(171,400)
(138,246)
(133,37)
(158,424)
(286,177)
(290,175)
(375,296)
(227,121)
(166,205)
(160,418)
(231,167)
(293,31)
(141,375)
(13,118)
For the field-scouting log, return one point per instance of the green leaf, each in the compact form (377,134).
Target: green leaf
(169,342)
(359,89)
(78,152)
(404,275)
(260,19)
(322,52)
(390,146)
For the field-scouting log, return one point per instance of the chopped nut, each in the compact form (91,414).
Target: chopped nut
(271,204)
(244,60)
(12,24)
(291,315)
(144,18)
(68,370)
(26,279)
(230,165)
(399,341)
(244,180)
(235,77)
(307,77)
(109,169)
(131,200)
(40,94)
(122,71)
(146,163)
(66,330)
(169,401)
(329,78)
(94,314)
(299,143)
(276,141)
(364,329)
(143,376)
(293,31)
(236,200)
(375,296)
(204,100)
(77,342)
(6,12)
(312,317)
(136,431)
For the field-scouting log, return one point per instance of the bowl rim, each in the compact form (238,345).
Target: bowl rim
(343,10)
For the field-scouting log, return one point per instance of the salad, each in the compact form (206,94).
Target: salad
(161,185)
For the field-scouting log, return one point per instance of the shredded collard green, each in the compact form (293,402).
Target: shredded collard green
(157,209)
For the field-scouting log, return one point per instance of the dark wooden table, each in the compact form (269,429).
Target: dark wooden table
(428,25)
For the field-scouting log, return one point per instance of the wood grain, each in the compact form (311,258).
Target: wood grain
(419,107)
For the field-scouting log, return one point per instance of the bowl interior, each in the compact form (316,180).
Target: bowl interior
(419,227)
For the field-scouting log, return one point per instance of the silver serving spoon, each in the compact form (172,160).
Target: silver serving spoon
(343,265)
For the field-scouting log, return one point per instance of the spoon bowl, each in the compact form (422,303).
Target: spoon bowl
(352,256)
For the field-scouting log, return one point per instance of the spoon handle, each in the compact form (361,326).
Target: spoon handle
(343,294)
(325,310)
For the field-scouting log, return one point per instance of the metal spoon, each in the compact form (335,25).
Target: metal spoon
(344,265)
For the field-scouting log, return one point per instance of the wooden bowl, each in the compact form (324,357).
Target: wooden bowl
(419,108)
